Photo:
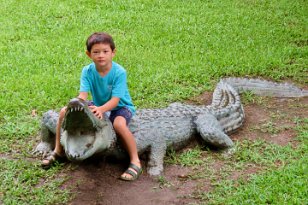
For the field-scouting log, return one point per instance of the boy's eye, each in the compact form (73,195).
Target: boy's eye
(98,52)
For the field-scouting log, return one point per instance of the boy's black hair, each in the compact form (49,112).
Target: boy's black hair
(100,37)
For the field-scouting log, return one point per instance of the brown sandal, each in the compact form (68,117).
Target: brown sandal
(51,159)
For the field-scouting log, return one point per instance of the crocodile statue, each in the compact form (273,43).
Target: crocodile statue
(84,135)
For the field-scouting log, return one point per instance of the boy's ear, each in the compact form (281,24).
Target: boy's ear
(88,53)
(114,52)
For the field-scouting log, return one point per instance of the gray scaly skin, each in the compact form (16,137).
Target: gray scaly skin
(83,135)
(265,88)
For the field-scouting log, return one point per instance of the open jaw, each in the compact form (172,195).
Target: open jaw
(79,116)
(80,129)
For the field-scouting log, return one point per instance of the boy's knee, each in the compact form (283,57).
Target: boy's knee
(119,123)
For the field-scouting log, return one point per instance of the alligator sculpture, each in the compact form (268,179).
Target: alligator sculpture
(84,135)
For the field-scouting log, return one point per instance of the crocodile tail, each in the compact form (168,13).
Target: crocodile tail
(228,108)
(265,88)
(225,95)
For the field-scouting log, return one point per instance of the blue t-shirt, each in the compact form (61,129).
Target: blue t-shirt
(102,89)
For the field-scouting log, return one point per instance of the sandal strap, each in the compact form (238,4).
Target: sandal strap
(50,158)
(134,167)
(130,172)
(53,157)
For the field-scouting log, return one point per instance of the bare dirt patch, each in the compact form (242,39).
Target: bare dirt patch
(272,119)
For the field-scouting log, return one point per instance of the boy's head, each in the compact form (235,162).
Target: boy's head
(99,37)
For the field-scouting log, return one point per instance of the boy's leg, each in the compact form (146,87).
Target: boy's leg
(58,148)
(129,142)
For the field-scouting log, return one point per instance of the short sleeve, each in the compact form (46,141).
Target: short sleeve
(119,85)
(84,81)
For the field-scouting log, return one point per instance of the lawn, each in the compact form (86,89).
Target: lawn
(173,50)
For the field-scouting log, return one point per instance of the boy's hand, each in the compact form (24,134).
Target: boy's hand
(97,111)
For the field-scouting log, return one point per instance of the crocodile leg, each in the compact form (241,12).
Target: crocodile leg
(47,143)
(211,131)
(48,130)
(156,145)
(156,158)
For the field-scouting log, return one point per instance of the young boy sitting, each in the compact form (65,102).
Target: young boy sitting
(106,81)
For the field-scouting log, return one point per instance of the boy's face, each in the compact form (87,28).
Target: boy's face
(102,55)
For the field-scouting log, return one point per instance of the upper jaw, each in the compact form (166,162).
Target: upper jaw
(77,103)
(78,114)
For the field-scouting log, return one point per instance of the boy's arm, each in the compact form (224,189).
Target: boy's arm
(112,103)
(83,95)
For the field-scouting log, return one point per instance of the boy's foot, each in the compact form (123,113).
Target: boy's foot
(132,173)
(50,160)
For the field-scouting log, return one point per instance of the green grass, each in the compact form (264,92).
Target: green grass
(288,186)
(190,157)
(285,185)
(173,50)
(24,182)
(280,175)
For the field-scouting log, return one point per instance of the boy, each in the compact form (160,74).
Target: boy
(106,80)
